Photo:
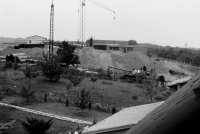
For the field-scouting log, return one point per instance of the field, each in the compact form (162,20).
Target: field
(115,93)
(107,93)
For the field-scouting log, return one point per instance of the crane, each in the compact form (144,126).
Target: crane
(82,18)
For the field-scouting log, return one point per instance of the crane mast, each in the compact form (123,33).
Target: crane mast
(82,19)
(82,23)
(51,34)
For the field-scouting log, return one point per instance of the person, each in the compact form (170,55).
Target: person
(45,98)
(113,110)
(89,106)
(67,102)
(144,68)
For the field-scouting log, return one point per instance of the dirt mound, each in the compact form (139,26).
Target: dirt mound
(92,58)
(35,53)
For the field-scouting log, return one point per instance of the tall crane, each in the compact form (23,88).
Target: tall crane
(82,18)
(51,34)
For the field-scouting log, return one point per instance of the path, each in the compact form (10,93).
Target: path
(46,114)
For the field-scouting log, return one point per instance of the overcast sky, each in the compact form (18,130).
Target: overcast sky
(163,22)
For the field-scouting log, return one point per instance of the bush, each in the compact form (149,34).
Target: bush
(106,83)
(140,77)
(159,97)
(166,93)
(134,97)
(51,69)
(8,64)
(98,106)
(36,126)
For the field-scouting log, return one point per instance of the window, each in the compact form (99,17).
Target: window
(29,41)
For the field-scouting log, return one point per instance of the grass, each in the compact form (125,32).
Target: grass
(73,112)
(8,114)
(114,93)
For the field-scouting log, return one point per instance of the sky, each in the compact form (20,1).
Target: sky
(162,22)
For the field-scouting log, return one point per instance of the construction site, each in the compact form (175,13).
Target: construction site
(121,101)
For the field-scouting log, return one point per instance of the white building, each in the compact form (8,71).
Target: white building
(36,39)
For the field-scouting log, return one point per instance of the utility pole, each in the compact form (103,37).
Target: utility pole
(51,42)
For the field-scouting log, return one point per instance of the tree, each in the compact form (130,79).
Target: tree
(51,68)
(149,85)
(67,54)
(83,99)
(26,92)
(74,78)
(36,126)
(4,81)
(132,42)
(29,72)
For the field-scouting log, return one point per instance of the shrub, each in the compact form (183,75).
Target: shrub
(106,83)
(134,97)
(159,97)
(8,64)
(83,99)
(36,126)
(26,92)
(166,93)
(51,68)
(98,106)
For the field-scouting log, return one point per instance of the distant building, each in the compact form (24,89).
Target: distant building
(122,121)
(36,40)
(116,45)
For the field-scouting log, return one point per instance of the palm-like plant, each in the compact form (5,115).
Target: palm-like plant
(36,126)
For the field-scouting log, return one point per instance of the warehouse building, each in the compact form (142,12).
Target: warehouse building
(36,39)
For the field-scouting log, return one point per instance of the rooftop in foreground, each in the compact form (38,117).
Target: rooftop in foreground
(124,119)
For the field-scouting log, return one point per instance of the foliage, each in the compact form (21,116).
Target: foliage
(132,42)
(149,85)
(134,97)
(74,77)
(159,97)
(67,54)
(178,54)
(83,99)
(29,72)
(106,82)
(140,77)
(51,68)
(36,126)
(26,92)
(8,64)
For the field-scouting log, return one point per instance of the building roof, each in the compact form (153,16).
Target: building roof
(111,42)
(179,81)
(123,119)
(36,36)
(179,107)
(113,45)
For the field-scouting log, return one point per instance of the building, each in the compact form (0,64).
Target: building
(122,121)
(177,84)
(179,114)
(36,40)
(115,45)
